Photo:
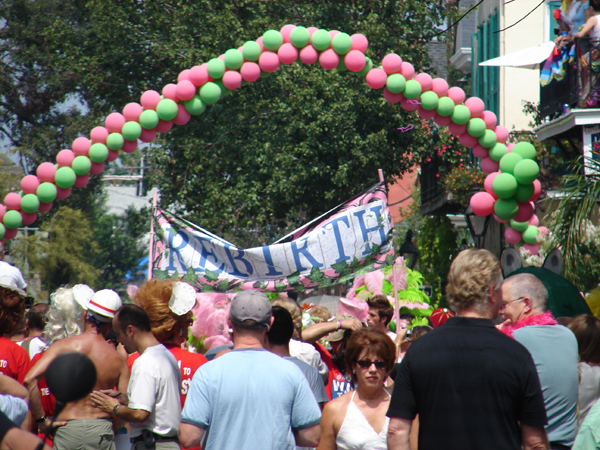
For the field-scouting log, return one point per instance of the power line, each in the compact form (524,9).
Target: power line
(456,23)
(523,18)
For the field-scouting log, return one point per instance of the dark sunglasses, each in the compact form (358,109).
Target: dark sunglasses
(366,363)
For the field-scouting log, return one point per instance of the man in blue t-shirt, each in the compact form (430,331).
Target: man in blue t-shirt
(249,397)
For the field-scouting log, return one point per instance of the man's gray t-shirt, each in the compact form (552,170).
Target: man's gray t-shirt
(313,377)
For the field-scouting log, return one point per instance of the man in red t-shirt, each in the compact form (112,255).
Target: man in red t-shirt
(14,360)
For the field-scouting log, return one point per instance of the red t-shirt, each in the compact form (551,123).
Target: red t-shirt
(48,400)
(337,384)
(14,360)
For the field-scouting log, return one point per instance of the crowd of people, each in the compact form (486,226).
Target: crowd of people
(499,373)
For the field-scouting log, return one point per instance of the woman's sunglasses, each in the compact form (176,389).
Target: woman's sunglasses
(366,363)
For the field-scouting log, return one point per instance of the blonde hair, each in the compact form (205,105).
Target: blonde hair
(292,307)
(64,318)
(471,275)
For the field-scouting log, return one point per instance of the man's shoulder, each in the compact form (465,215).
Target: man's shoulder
(304,367)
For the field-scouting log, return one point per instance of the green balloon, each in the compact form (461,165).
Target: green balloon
(2,230)
(509,161)
(167,109)
(498,151)
(506,209)
(395,83)
(530,234)
(115,141)
(460,115)
(272,40)
(215,68)
(476,127)
(429,100)
(525,149)
(132,130)
(224,90)
(233,59)
(149,119)
(504,185)
(300,37)
(445,106)
(524,192)
(341,67)
(519,226)
(81,165)
(320,40)
(12,219)
(195,106)
(46,192)
(412,90)
(210,93)
(366,69)
(488,139)
(341,43)
(65,176)
(98,154)
(251,51)
(30,203)
(526,171)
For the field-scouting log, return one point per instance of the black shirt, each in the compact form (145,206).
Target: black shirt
(471,386)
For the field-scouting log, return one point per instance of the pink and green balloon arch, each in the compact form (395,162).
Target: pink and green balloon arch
(510,188)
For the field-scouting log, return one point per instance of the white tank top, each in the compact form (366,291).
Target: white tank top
(356,433)
(595,32)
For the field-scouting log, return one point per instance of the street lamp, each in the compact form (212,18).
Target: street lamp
(477,226)
(409,251)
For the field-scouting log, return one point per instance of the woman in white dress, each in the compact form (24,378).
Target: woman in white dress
(357,420)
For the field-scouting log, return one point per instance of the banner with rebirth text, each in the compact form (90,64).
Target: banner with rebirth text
(352,239)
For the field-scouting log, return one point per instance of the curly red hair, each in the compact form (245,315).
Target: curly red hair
(12,310)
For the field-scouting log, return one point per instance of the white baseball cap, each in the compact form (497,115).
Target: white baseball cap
(104,304)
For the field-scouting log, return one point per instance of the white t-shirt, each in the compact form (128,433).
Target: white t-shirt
(8,270)
(154,387)
(307,353)
(33,346)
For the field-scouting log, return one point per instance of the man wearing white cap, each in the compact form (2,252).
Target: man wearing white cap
(81,423)
(250,397)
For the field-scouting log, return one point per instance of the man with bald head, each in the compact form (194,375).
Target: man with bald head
(553,348)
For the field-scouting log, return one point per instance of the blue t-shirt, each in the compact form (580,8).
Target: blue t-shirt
(250,398)
(555,354)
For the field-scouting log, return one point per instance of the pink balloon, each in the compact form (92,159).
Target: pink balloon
(162,127)
(2,211)
(479,151)
(268,61)
(45,172)
(543,230)
(81,146)
(12,201)
(425,81)
(466,140)
(308,55)
(476,106)
(222,58)
(499,220)
(65,158)
(487,184)
(185,90)
(10,233)
(355,61)
(259,41)
(130,146)
(147,135)
(488,165)
(392,98)
(285,31)
(114,123)
(376,78)
(233,79)
(62,194)
(534,220)
(170,92)
(287,53)
(97,168)
(44,207)
(29,184)
(182,117)
(28,218)
(513,236)
(132,111)
(457,95)
(525,212)
(329,59)
(391,63)
(510,146)
(537,190)
(250,72)
(114,154)
(501,134)
(311,30)
(425,113)
(440,87)
(442,121)
(490,120)
(359,42)
(183,75)
(82,180)
(456,129)
(198,76)
(99,135)
(407,70)
(408,105)
(149,100)
(534,249)
(482,204)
